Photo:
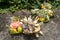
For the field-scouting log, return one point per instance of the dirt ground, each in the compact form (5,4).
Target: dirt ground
(51,29)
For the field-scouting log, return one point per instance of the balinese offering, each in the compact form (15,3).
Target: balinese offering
(43,14)
(32,24)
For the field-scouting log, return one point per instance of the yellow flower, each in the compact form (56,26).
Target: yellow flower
(43,6)
(13,31)
(42,19)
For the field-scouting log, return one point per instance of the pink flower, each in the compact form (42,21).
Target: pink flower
(16,24)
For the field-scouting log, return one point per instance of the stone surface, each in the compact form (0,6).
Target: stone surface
(51,29)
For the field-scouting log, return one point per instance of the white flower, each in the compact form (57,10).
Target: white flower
(50,11)
(35,11)
(25,20)
(37,24)
(35,21)
(30,21)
